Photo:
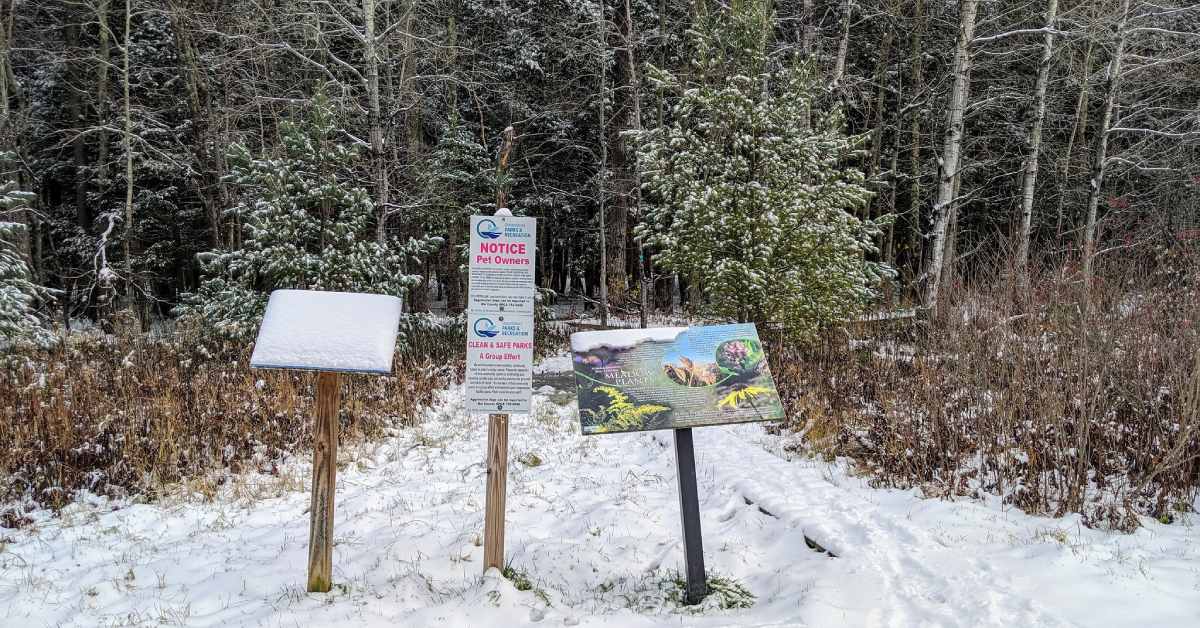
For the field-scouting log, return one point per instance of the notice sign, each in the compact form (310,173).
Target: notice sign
(500,314)
(502,249)
(631,380)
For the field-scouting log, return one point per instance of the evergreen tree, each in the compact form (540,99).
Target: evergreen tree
(19,318)
(305,226)
(746,199)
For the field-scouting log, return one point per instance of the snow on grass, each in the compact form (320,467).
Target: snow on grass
(593,539)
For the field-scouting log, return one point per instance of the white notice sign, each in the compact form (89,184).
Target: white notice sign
(500,314)
(502,249)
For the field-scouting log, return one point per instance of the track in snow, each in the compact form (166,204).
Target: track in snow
(595,527)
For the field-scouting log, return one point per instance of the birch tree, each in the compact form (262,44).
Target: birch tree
(1112,86)
(951,151)
(1030,172)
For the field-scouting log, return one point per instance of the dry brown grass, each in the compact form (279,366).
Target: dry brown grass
(1056,406)
(129,415)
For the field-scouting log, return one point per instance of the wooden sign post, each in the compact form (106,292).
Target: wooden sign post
(497,481)
(331,333)
(324,479)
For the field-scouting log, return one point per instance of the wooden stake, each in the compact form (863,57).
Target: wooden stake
(320,528)
(497,478)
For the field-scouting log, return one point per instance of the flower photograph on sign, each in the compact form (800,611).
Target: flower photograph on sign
(649,379)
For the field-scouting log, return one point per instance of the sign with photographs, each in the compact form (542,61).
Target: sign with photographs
(631,380)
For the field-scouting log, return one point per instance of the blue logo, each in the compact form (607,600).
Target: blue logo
(485,328)
(487,229)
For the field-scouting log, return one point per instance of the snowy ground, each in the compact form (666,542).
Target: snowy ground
(593,523)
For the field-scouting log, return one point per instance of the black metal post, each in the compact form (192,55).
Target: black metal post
(689,509)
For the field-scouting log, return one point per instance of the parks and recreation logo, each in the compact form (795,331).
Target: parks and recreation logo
(485,328)
(487,229)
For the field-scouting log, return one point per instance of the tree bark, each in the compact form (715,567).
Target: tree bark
(951,151)
(83,216)
(603,174)
(102,64)
(375,121)
(839,64)
(623,163)
(809,30)
(916,50)
(1029,178)
(875,166)
(205,149)
(128,234)
(1077,130)
(1112,89)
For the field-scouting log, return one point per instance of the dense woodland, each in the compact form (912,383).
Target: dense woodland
(1050,135)
(1033,164)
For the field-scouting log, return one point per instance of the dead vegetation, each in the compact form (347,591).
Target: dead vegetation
(1055,405)
(126,415)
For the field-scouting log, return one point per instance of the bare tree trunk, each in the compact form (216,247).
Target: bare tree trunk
(839,63)
(205,148)
(1029,178)
(626,194)
(1113,80)
(83,217)
(951,254)
(951,150)
(916,250)
(127,239)
(102,92)
(877,134)
(6,18)
(603,174)
(450,274)
(808,34)
(634,123)
(502,169)
(889,250)
(1077,130)
(375,122)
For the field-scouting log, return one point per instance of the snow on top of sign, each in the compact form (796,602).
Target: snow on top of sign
(622,338)
(328,331)
(503,211)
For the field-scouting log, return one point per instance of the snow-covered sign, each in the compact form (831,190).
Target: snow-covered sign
(500,314)
(631,380)
(328,331)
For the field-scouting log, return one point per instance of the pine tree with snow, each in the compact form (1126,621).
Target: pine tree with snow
(305,226)
(748,193)
(19,295)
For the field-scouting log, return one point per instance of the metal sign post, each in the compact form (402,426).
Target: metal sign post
(689,510)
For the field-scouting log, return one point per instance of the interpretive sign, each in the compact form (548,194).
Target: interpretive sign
(328,332)
(675,378)
(500,314)
(631,380)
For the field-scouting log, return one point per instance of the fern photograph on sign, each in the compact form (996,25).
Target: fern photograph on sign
(631,380)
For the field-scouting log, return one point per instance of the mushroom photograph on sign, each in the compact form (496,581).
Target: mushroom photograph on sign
(632,380)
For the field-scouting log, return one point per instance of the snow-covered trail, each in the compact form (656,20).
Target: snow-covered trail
(593,522)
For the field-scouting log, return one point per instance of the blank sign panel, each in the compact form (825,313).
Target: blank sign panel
(328,331)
